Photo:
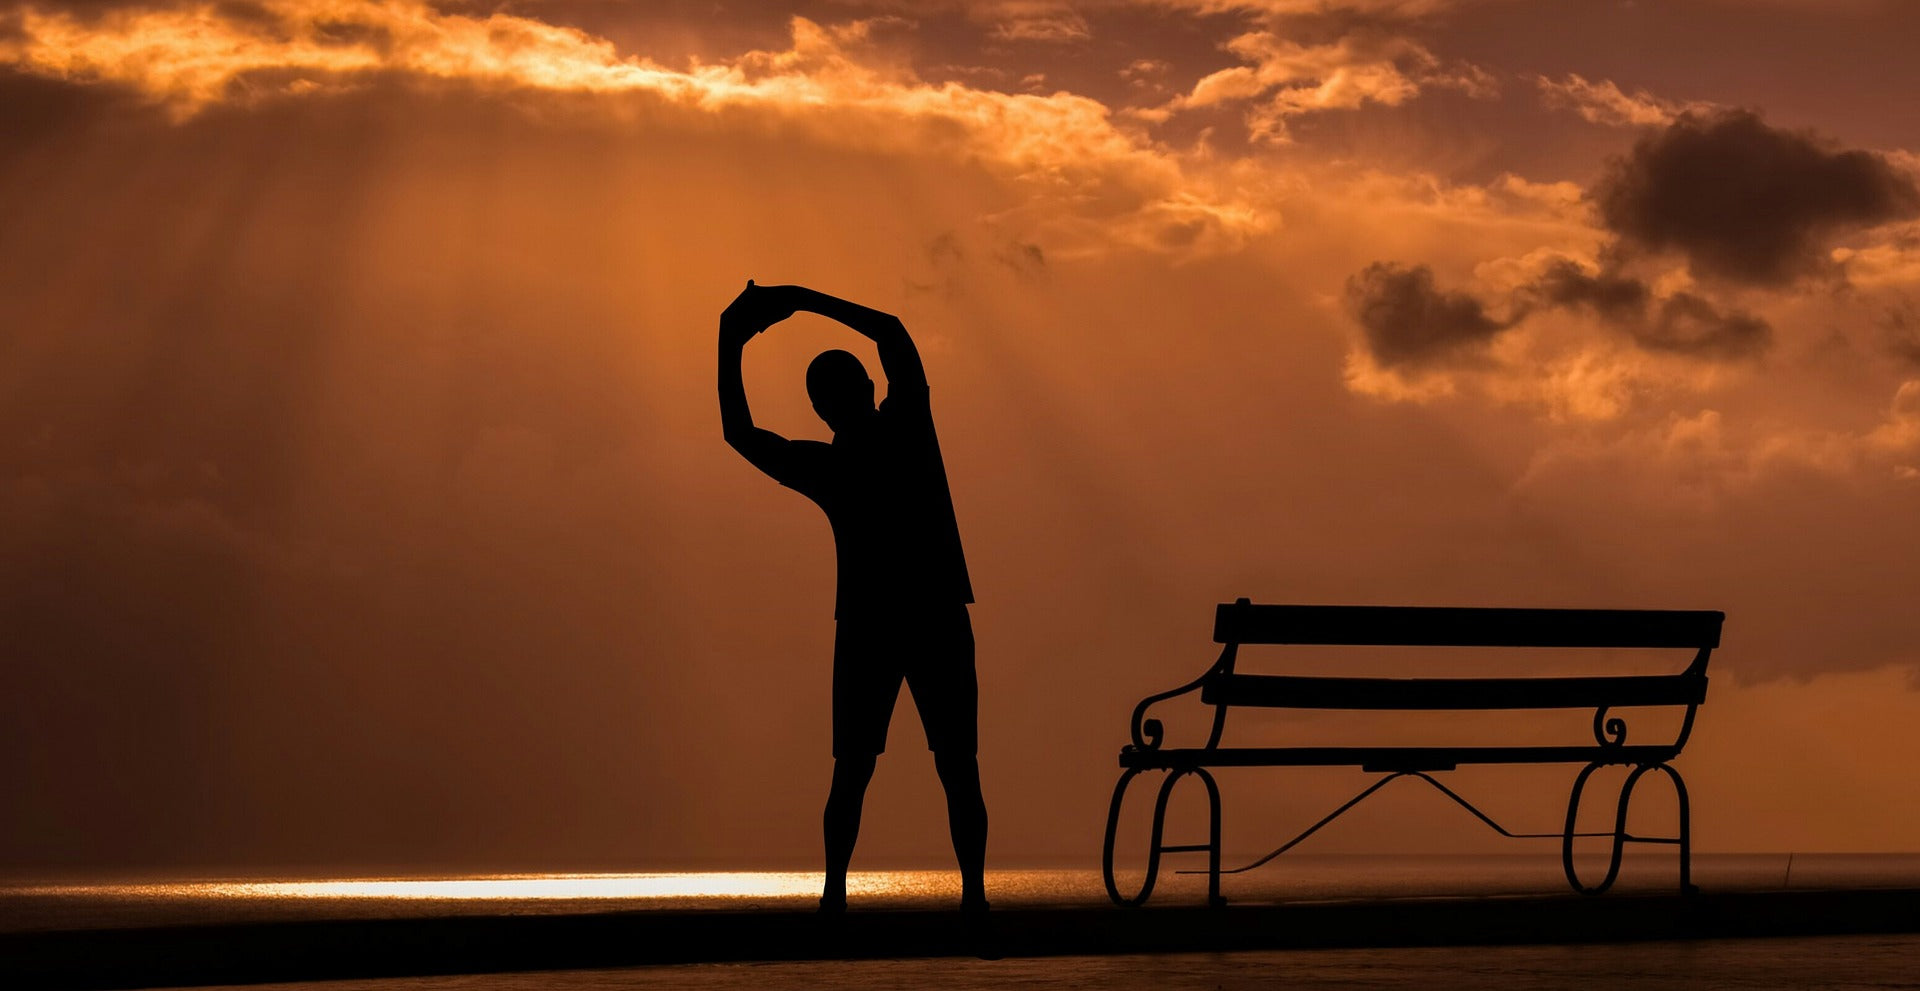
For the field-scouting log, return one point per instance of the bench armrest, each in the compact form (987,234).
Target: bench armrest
(1149,733)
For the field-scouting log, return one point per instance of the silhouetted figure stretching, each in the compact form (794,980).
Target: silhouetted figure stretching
(903,588)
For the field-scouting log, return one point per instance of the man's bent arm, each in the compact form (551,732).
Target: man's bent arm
(736,418)
(765,449)
(899,359)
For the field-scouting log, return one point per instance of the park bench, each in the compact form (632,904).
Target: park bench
(1244,622)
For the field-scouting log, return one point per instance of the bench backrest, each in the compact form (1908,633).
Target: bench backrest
(1246,622)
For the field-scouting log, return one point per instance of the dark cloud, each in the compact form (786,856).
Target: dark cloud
(1744,201)
(1023,257)
(1408,320)
(34,110)
(1683,323)
(1693,325)
(345,32)
(1613,296)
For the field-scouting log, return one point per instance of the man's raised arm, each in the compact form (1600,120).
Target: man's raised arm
(899,359)
(766,450)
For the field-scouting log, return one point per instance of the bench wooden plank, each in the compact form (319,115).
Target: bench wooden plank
(1429,626)
(1391,758)
(1295,692)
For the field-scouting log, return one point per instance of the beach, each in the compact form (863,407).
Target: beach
(1845,963)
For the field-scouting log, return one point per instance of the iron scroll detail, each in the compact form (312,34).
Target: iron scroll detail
(1609,732)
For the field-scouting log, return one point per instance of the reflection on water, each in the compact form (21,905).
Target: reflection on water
(713,884)
(94,904)
(1293,879)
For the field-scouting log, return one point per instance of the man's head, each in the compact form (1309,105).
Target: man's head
(840,389)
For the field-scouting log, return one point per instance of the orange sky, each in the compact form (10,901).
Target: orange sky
(362,495)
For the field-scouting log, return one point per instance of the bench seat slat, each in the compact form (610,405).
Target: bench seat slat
(1428,626)
(1390,758)
(1295,692)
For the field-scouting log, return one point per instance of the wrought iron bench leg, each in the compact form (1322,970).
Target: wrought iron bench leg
(1566,839)
(1106,857)
(1155,847)
(1213,837)
(1685,837)
(1620,835)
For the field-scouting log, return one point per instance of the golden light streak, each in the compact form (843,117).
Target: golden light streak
(540,887)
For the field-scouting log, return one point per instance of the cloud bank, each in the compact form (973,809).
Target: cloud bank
(1743,204)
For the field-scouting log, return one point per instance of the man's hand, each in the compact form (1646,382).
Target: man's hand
(754,310)
(741,319)
(776,303)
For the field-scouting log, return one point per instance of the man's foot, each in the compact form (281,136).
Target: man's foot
(978,926)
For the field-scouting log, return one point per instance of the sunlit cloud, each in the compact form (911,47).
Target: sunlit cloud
(1289,79)
(1888,260)
(1062,146)
(1697,460)
(1145,71)
(1002,21)
(1554,370)
(194,55)
(1603,102)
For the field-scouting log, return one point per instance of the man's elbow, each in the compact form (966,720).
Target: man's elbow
(895,344)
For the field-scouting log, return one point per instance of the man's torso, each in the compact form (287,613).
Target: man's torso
(883,487)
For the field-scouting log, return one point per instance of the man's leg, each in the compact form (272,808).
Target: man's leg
(967,819)
(864,690)
(841,824)
(947,693)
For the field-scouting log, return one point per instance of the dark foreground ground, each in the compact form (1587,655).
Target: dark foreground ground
(304,950)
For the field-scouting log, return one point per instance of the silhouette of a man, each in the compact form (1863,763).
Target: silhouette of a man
(903,590)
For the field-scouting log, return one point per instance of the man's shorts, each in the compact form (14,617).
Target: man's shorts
(931,649)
